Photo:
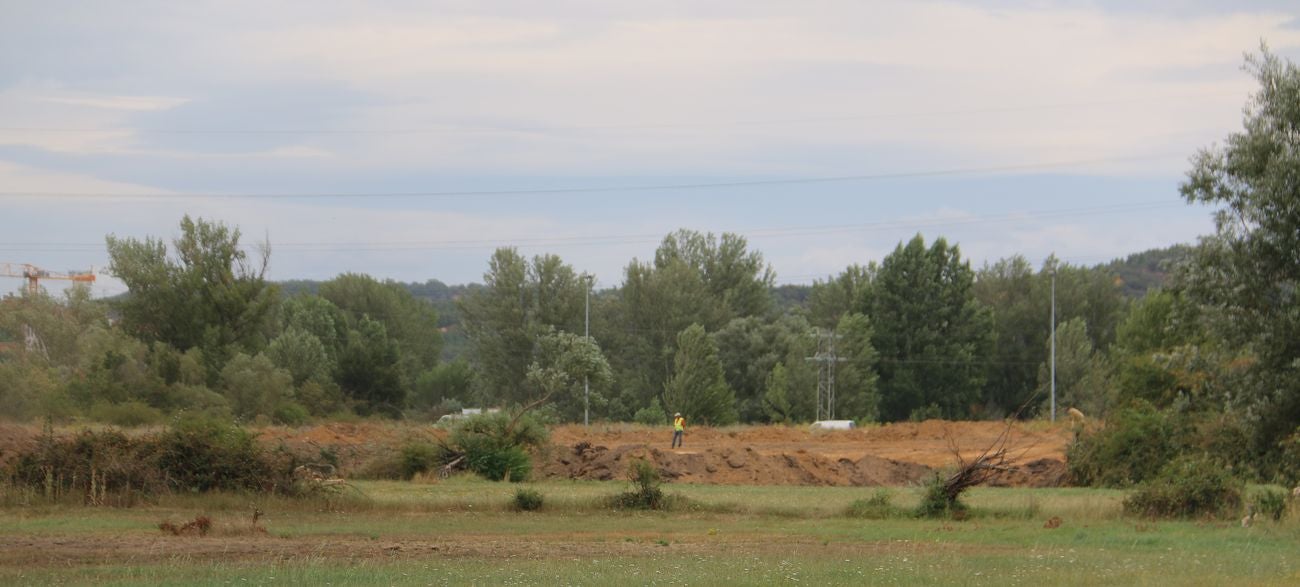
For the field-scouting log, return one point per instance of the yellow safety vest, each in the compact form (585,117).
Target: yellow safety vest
(679,423)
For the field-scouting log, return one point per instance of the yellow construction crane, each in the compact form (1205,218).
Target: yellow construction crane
(34,274)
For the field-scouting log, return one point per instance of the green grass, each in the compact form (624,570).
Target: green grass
(732,535)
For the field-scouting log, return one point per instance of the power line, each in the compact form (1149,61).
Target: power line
(593,190)
(465,129)
(601,240)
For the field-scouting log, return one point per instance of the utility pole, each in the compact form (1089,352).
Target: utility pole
(586,333)
(826,360)
(1053,344)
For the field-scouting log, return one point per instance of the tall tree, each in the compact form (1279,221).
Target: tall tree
(694,279)
(1081,373)
(207,293)
(1021,320)
(519,303)
(411,322)
(750,347)
(931,334)
(1020,303)
(697,387)
(1247,275)
(369,370)
(562,364)
(857,393)
(835,298)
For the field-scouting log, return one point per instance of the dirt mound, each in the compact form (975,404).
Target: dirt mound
(894,454)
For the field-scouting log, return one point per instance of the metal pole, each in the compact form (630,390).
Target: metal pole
(1053,342)
(586,332)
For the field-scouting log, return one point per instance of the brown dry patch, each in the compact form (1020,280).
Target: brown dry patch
(894,454)
(354,443)
(43,551)
(16,439)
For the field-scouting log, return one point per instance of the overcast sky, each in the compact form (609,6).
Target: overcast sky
(408,139)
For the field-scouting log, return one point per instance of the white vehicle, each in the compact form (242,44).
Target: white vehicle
(834,425)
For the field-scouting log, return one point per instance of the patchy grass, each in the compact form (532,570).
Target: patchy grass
(464,531)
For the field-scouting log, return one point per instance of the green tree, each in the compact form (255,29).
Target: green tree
(1081,374)
(255,386)
(317,316)
(849,292)
(1247,274)
(1020,303)
(697,387)
(561,363)
(694,279)
(519,302)
(207,293)
(452,381)
(857,395)
(777,394)
(369,371)
(931,334)
(411,323)
(749,347)
(301,354)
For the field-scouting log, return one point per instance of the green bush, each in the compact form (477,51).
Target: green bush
(128,414)
(646,493)
(1270,504)
(494,450)
(418,457)
(1188,486)
(528,500)
(880,506)
(935,502)
(1134,444)
(290,414)
(204,455)
(651,415)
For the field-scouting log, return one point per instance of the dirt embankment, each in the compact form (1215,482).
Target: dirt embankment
(894,454)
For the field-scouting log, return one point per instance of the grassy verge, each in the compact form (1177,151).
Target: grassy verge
(464,531)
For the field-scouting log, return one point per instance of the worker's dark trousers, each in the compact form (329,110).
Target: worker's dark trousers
(677,438)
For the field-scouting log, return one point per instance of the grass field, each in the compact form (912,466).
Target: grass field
(463,531)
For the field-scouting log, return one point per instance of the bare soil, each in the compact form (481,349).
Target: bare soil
(894,454)
(898,454)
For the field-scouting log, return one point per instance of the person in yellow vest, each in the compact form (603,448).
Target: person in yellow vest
(679,428)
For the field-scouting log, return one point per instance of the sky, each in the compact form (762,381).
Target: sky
(407,140)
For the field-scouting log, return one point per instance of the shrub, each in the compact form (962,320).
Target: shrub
(935,502)
(416,458)
(651,415)
(879,506)
(1185,487)
(1270,503)
(290,414)
(204,455)
(127,414)
(646,493)
(109,467)
(489,446)
(1134,444)
(528,500)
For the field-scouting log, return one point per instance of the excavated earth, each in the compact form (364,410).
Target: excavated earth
(893,454)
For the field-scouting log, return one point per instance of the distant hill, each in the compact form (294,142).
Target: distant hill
(1141,272)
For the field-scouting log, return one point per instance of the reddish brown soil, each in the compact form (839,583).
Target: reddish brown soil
(895,454)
